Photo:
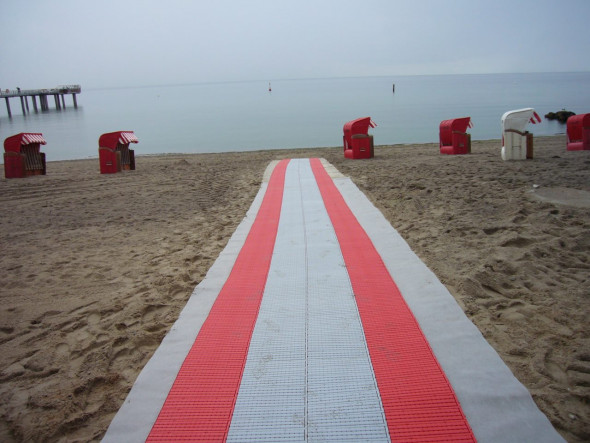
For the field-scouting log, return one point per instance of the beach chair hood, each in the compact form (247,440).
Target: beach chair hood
(359,126)
(518,119)
(112,139)
(447,127)
(15,142)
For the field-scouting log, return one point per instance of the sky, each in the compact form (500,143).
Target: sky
(120,43)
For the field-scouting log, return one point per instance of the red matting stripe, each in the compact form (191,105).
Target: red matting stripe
(418,401)
(200,404)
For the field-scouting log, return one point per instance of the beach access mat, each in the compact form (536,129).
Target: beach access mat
(318,323)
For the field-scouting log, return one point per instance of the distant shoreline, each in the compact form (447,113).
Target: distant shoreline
(283,150)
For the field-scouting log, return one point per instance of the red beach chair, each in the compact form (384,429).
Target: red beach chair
(578,132)
(114,153)
(23,156)
(357,141)
(453,136)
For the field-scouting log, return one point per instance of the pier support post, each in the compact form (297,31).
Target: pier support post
(63,100)
(27,104)
(22,105)
(56,99)
(75,101)
(8,107)
(34,98)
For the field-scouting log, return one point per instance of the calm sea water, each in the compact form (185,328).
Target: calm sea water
(243,116)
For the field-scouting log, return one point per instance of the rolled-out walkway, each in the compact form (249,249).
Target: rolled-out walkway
(318,323)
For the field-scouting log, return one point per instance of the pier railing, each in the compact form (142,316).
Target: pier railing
(66,89)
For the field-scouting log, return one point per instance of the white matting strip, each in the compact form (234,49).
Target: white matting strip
(343,399)
(271,401)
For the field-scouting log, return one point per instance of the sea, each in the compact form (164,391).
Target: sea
(295,113)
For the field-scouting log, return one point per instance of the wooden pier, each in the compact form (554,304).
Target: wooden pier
(58,94)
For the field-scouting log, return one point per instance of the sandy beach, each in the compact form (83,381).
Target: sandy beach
(96,268)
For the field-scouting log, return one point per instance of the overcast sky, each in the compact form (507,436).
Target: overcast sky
(103,43)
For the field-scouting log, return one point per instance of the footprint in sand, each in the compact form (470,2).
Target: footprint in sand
(578,371)
(62,350)
(553,369)
(517,242)
(93,318)
(152,312)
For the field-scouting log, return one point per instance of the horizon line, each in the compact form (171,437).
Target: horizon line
(215,82)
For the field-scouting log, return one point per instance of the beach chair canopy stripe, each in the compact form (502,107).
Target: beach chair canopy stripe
(33,138)
(128,137)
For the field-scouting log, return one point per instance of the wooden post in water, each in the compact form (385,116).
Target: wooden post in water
(22,104)
(8,106)
(63,100)
(27,104)
(75,102)
(34,98)
(56,99)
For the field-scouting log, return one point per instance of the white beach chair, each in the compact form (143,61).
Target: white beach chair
(514,136)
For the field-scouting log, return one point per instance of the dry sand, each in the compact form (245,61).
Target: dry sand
(96,268)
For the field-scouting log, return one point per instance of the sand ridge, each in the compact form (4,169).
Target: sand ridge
(97,267)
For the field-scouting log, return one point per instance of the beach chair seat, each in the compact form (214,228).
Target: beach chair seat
(34,160)
(361,147)
(127,157)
